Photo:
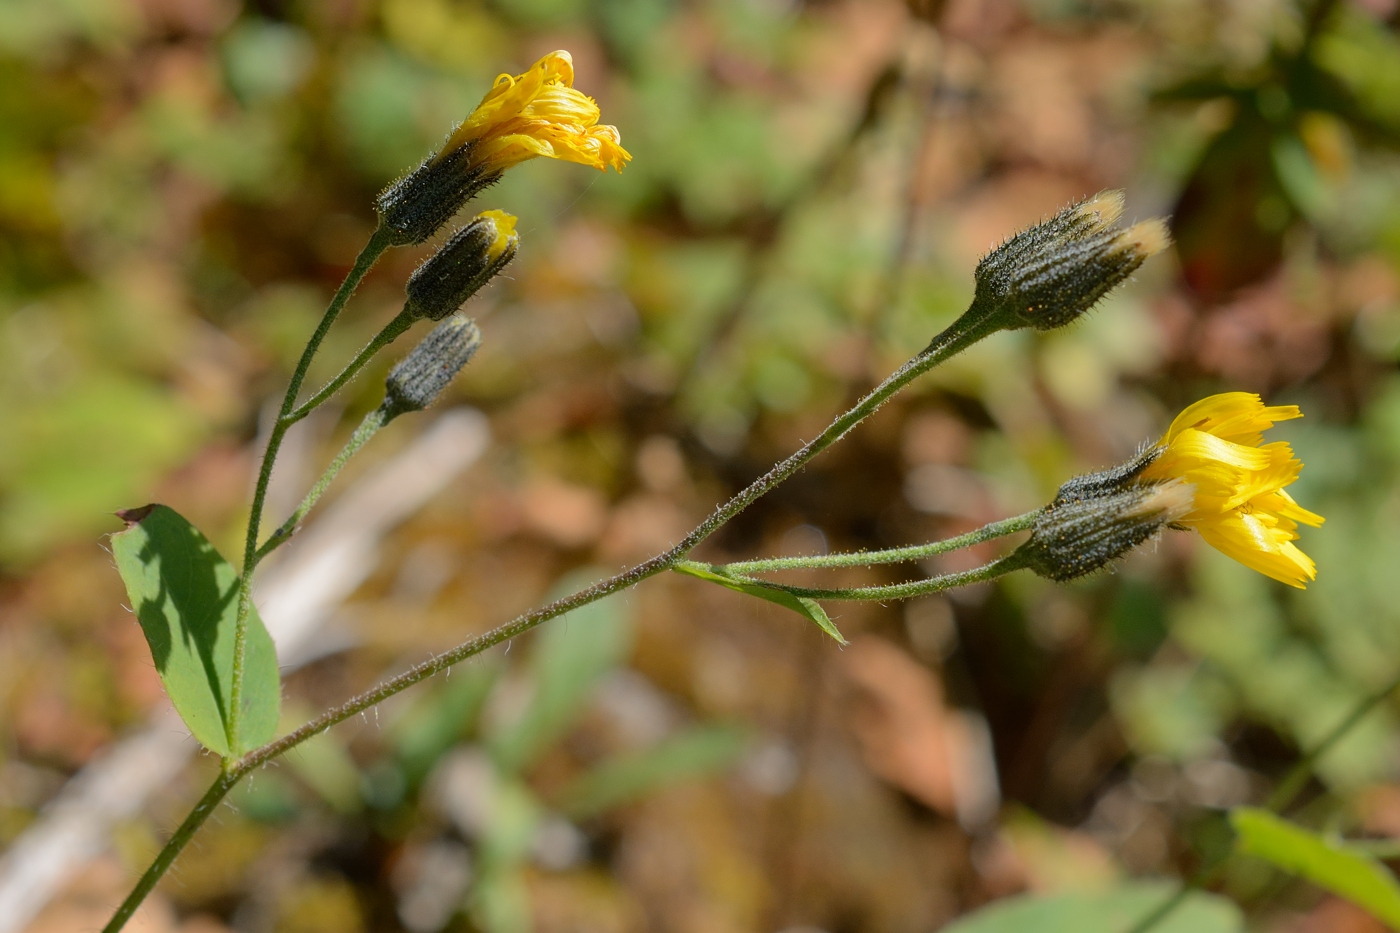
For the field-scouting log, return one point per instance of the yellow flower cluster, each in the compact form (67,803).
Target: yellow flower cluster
(1240,507)
(535,114)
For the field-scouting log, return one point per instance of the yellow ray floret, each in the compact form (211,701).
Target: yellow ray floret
(535,114)
(1240,508)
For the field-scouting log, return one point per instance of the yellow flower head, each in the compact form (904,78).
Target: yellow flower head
(534,114)
(1240,507)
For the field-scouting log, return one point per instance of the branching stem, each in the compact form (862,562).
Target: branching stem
(368,428)
(378,242)
(402,322)
(910,590)
(896,555)
(967,330)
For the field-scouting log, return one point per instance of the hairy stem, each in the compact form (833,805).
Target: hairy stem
(391,332)
(172,848)
(910,590)
(1284,794)
(896,555)
(378,243)
(368,428)
(966,331)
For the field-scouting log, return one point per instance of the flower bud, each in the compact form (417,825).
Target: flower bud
(468,259)
(1095,520)
(1048,275)
(419,378)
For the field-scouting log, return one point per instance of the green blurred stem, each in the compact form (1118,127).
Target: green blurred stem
(947,581)
(1297,777)
(368,427)
(1287,790)
(1387,850)
(379,241)
(967,330)
(391,332)
(172,848)
(896,555)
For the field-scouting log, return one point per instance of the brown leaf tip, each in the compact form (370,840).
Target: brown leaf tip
(137,515)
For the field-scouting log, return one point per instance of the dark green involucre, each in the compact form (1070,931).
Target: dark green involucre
(1099,517)
(419,378)
(418,204)
(1048,275)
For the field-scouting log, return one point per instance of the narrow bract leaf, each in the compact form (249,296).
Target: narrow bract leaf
(1356,876)
(186,597)
(807,608)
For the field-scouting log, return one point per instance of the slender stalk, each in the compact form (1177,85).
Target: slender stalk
(1284,794)
(947,581)
(172,848)
(391,331)
(896,555)
(956,338)
(1387,850)
(378,243)
(1297,777)
(368,428)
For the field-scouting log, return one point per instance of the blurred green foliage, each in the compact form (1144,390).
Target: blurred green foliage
(183,184)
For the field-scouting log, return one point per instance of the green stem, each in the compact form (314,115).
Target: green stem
(947,581)
(388,335)
(1387,850)
(966,331)
(379,241)
(889,556)
(1288,789)
(172,848)
(368,428)
(1297,777)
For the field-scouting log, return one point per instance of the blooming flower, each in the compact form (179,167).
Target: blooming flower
(538,113)
(522,117)
(1240,507)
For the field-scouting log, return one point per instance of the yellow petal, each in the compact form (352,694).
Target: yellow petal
(559,104)
(1249,540)
(1200,415)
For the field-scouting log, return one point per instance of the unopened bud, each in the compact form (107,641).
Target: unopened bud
(419,378)
(467,261)
(418,204)
(1092,524)
(1050,274)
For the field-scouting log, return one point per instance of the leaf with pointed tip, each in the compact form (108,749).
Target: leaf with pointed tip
(807,608)
(1356,876)
(186,598)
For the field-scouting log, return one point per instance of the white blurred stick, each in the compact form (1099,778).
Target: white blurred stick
(322,567)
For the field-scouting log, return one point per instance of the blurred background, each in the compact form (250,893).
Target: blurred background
(184,182)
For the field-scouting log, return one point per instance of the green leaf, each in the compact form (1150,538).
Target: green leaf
(570,655)
(186,596)
(807,608)
(1110,911)
(1347,873)
(695,752)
